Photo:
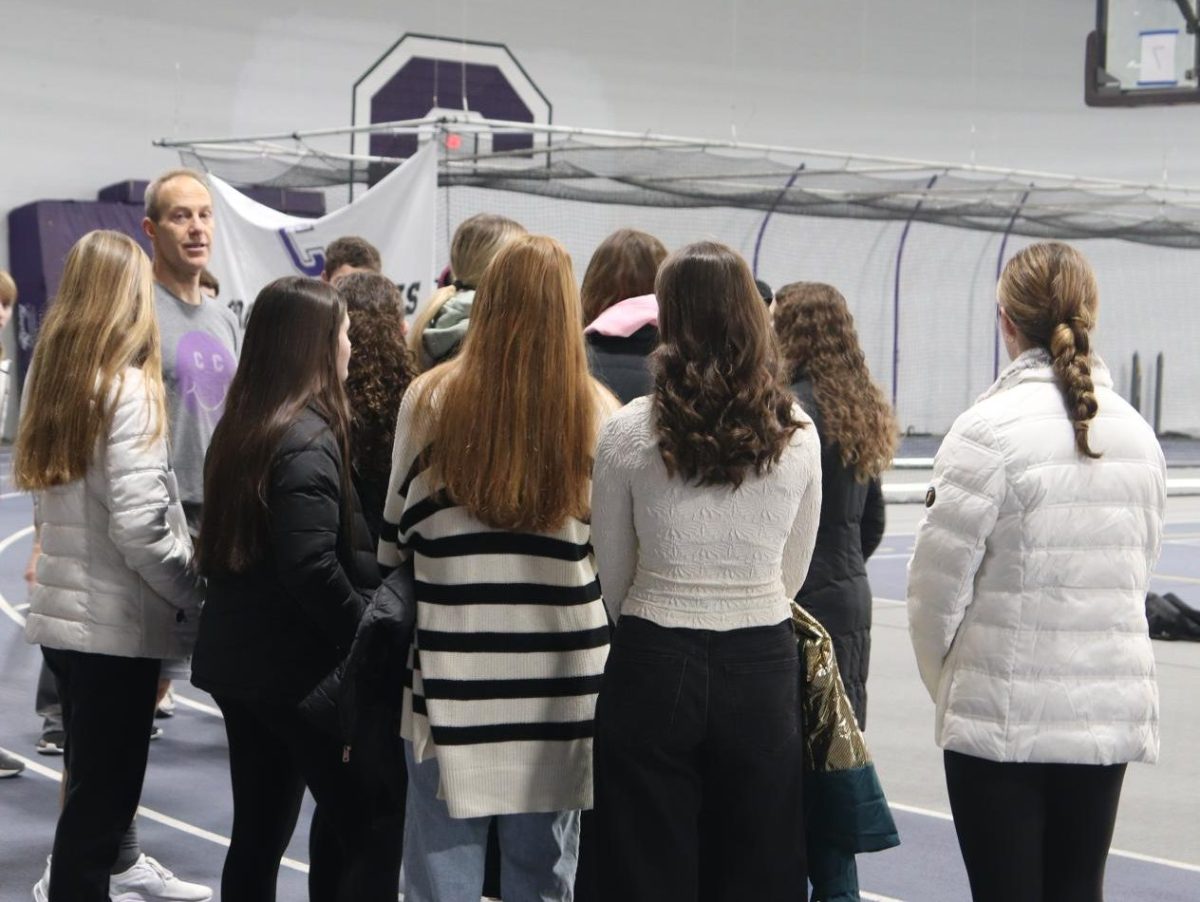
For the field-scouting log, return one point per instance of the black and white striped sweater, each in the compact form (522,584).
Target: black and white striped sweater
(509,650)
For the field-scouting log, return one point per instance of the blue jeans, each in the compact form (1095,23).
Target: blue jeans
(444,856)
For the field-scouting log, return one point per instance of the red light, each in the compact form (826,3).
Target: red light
(453,142)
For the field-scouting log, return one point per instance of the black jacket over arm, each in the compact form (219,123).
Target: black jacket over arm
(272,632)
(836,590)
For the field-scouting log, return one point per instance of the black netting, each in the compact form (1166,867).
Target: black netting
(680,176)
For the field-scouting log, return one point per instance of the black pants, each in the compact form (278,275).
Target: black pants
(354,845)
(108,710)
(1033,832)
(698,766)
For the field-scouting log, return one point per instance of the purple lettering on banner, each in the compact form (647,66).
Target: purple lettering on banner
(203,370)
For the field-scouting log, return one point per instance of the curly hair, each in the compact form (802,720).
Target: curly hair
(381,368)
(817,336)
(720,405)
(1049,292)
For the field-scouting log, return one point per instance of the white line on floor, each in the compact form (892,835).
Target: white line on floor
(9,611)
(198,706)
(875,897)
(157,816)
(894,601)
(1121,853)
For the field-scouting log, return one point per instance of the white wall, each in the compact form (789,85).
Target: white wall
(86,86)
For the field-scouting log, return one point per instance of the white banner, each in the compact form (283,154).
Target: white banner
(254,245)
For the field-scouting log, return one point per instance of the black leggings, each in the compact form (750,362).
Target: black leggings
(354,847)
(1033,832)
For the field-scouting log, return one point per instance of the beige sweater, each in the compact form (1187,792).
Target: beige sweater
(701,557)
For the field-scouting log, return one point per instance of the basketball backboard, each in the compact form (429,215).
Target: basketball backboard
(1143,52)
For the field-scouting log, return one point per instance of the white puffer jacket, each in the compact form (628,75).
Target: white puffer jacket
(1027,586)
(115,574)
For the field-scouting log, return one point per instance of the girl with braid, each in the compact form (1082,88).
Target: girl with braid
(1026,596)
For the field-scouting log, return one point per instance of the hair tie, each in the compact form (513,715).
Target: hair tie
(460,285)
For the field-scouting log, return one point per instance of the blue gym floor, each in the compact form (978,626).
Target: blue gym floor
(186,802)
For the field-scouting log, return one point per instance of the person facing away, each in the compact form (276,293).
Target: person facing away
(200,337)
(289,566)
(115,591)
(1026,596)
(439,329)
(350,254)
(858,438)
(489,500)
(622,315)
(705,508)
(380,370)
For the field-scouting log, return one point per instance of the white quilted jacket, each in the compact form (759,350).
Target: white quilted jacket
(115,574)
(1027,586)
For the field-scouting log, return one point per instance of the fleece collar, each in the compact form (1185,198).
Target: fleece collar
(1035,365)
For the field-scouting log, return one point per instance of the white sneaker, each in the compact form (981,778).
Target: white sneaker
(149,881)
(41,889)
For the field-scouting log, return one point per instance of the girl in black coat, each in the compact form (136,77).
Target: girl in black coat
(289,563)
(858,438)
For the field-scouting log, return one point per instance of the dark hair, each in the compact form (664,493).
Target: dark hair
(288,362)
(764,291)
(623,266)
(719,400)
(1049,292)
(209,281)
(380,369)
(351,251)
(818,341)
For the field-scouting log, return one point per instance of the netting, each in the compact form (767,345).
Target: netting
(915,250)
(678,174)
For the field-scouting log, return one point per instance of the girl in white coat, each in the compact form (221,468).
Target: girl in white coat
(1026,596)
(116,593)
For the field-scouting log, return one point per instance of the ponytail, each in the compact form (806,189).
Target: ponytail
(1071,355)
(1049,292)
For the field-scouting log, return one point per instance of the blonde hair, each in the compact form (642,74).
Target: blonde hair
(1049,292)
(101,322)
(476,241)
(150,198)
(8,289)
(517,411)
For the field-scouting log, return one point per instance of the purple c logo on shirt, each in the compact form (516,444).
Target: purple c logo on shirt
(203,370)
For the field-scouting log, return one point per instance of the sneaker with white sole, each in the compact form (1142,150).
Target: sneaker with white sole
(149,881)
(10,765)
(41,889)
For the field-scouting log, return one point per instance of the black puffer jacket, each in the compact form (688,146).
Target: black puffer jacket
(622,363)
(272,632)
(836,590)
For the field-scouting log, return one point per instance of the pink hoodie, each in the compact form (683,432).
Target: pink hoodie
(625,317)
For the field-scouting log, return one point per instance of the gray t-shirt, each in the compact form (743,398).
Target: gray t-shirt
(200,347)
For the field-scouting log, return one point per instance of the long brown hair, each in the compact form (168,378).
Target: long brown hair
(476,241)
(288,362)
(623,266)
(381,368)
(817,336)
(1049,292)
(102,321)
(515,414)
(721,406)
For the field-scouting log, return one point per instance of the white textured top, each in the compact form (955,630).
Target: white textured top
(701,557)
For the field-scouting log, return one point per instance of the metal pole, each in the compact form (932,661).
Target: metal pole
(1135,383)
(896,294)
(1158,393)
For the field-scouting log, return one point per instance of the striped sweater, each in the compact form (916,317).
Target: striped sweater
(509,649)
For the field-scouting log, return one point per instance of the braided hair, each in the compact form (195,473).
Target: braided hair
(1049,292)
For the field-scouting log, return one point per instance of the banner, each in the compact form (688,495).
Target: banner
(254,245)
